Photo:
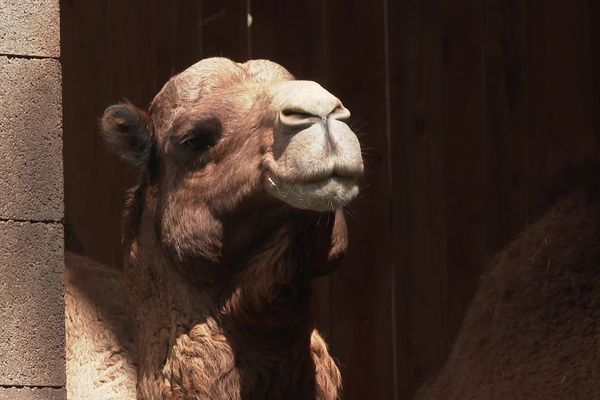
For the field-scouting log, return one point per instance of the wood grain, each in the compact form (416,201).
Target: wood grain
(418,191)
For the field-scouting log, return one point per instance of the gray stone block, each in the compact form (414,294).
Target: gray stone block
(30,27)
(32,394)
(32,336)
(31,176)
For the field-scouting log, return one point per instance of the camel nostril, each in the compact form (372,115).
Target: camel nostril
(296,118)
(291,113)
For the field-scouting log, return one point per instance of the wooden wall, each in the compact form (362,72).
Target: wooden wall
(467,111)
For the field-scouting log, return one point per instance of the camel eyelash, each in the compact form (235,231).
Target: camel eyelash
(201,135)
(198,141)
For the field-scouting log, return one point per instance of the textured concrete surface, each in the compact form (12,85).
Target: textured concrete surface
(31,187)
(32,393)
(31,304)
(30,27)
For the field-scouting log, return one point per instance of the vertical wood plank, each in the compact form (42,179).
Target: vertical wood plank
(418,198)
(290,36)
(187,43)
(594,21)
(84,55)
(224,27)
(361,336)
(464,153)
(506,121)
(536,72)
(560,95)
(174,37)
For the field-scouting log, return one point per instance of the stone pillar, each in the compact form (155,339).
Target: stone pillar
(32,360)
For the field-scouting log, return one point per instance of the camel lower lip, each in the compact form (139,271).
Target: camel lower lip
(327,179)
(310,181)
(275,181)
(325,194)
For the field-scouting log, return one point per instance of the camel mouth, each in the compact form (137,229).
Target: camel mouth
(317,193)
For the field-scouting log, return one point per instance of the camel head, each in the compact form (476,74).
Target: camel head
(228,151)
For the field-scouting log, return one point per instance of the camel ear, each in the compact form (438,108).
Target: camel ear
(126,130)
(337,245)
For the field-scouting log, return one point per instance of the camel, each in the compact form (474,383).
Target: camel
(532,330)
(244,176)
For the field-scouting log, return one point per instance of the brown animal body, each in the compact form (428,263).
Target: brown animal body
(533,328)
(244,176)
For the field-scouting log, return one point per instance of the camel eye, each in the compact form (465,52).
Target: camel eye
(201,135)
(198,142)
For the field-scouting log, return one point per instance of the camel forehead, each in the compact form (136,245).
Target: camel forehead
(224,70)
(208,76)
(217,73)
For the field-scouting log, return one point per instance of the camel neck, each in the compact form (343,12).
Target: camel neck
(252,331)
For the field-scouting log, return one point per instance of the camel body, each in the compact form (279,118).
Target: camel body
(532,330)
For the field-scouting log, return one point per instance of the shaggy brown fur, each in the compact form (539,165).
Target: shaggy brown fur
(219,269)
(533,328)
(249,338)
